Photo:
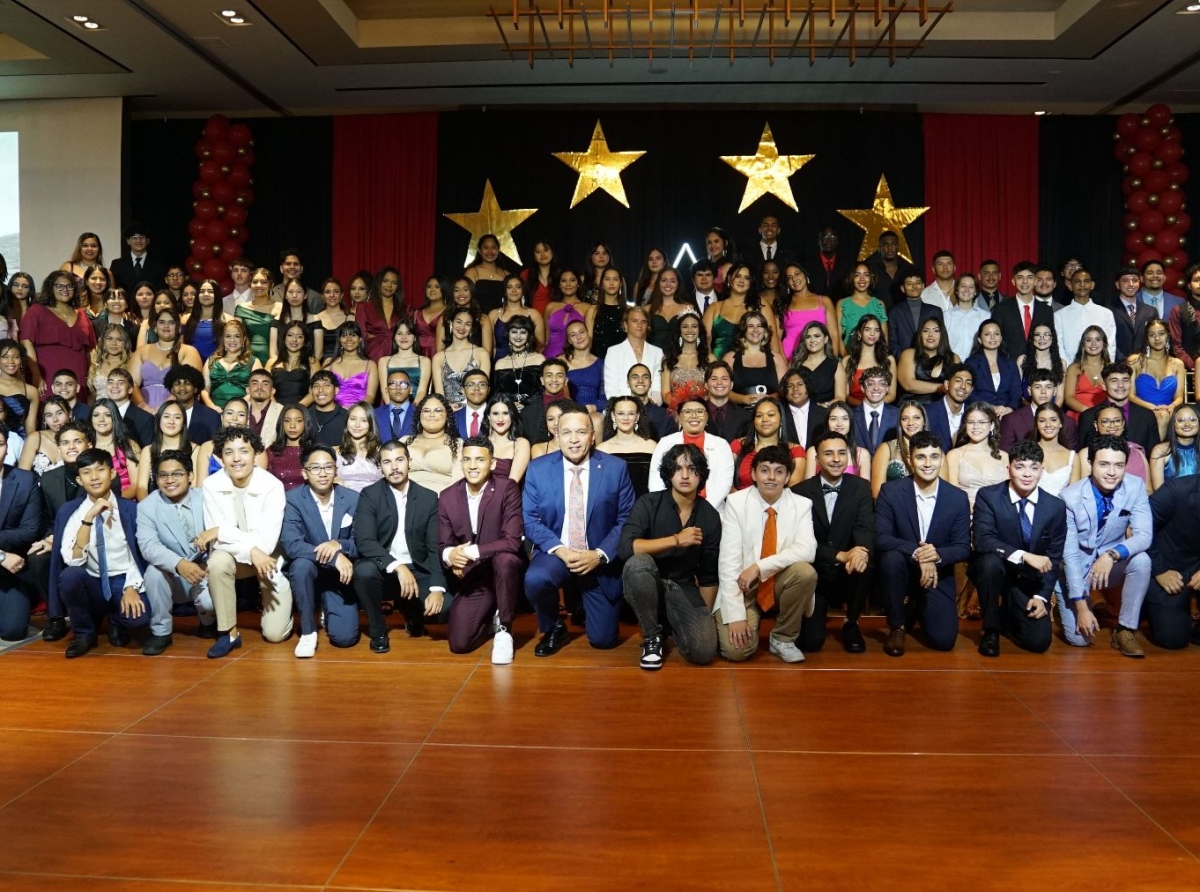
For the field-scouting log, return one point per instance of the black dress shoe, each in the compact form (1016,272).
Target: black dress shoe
(207,630)
(895,643)
(156,644)
(852,639)
(552,642)
(80,645)
(989,645)
(56,629)
(118,636)
(380,645)
(414,627)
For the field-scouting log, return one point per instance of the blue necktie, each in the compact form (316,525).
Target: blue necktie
(102,558)
(397,422)
(1026,523)
(1106,506)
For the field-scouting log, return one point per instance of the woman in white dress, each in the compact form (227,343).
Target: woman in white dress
(1058,466)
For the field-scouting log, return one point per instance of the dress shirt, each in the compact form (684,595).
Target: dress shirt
(800,419)
(656,516)
(235,297)
(830,491)
(742,521)
(933,294)
(1031,500)
(954,420)
(1101,519)
(473,502)
(14,449)
(925,508)
(325,509)
(763,247)
(1154,300)
(569,478)
(961,326)
(399,547)
(263,502)
(1071,321)
(704,301)
(116,549)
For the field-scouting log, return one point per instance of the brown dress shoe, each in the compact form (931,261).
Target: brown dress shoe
(1126,642)
(895,643)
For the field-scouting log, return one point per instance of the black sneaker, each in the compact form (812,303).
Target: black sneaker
(652,653)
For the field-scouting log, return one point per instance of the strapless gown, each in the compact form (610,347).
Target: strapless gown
(154,391)
(16,406)
(351,390)
(1154,392)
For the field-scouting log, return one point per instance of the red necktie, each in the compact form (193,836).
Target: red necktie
(474,424)
(1028,321)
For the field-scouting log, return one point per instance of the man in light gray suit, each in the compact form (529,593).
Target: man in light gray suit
(1109,525)
(170,530)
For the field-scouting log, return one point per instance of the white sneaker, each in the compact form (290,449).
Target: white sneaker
(306,646)
(502,648)
(785,650)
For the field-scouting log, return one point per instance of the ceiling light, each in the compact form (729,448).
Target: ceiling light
(82,21)
(80,18)
(237,20)
(1190,9)
(232,18)
(1039,113)
(91,26)
(228,13)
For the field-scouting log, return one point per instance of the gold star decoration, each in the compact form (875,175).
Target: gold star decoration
(489,219)
(768,171)
(881,217)
(598,168)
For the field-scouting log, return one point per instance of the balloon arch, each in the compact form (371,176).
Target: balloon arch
(222,195)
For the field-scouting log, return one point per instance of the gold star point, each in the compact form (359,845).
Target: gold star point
(881,217)
(767,172)
(491,220)
(598,168)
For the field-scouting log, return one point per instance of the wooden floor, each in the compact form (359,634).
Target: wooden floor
(422,770)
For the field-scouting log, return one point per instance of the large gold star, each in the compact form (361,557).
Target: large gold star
(598,168)
(881,217)
(768,171)
(490,220)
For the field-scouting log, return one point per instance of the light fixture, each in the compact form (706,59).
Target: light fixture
(86,23)
(91,26)
(236,20)
(80,18)
(228,13)
(1190,9)
(1039,112)
(232,18)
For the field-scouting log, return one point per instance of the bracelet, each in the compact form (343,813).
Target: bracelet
(676,540)
(86,523)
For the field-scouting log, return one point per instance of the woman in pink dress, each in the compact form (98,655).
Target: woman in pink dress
(797,307)
(56,333)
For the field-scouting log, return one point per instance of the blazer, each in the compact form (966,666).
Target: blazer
(889,418)
(303,528)
(128,513)
(153,270)
(997,530)
(756,258)
(609,501)
(140,424)
(741,543)
(375,527)
(898,528)
(463,419)
(939,422)
(20,510)
(1010,317)
(1176,545)
(383,418)
(1019,424)
(1009,391)
(1130,335)
(498,520)
(901,329)
(1141,428)
(832,284)
(620,358)
(818,418)
(160,535)
(1130,515)
(733,424)
(1170,301)
(57,488)
(853,521)
(204,424)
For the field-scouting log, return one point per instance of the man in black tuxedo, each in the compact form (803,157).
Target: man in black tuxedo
(1141,426)
(1020,424)
(396,531)
(828,272)
(139,423)
(139,265)
(1018,317)
(768,247)
(946,415)
(20,520)
(803,418)
(844,523)
(726,419)
(185,384)
(1130,313)
(910,312)
(1019,534)
(1175,563)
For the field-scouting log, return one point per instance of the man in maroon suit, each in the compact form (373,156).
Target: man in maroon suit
(479,535)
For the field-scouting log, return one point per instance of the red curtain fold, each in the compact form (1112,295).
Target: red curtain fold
(981,185)
(385,196)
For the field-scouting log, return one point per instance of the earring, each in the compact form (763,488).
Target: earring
(635,426)
(681,340)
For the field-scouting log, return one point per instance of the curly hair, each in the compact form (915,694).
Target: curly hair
(855,348)
(450,433)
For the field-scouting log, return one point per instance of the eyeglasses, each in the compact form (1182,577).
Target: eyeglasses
(398,385)
(63,286)
(475,385)
(319,469)
(1109,422)
(175,275)
(693,413)
(978,423)
(168,476)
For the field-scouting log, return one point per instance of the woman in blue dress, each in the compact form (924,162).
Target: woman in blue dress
(1159,377)
(1176,456)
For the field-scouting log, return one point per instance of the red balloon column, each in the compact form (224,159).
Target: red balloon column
(1150,148)
(222,194)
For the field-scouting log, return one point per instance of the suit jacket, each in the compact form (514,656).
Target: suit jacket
(57,487)
(1019,424)
(303,528)
(1141,428)
(1009,391)
(498,520)
(781,256)
(160,534)
(140,424)
(889,418)
(832,284)
(269,426)
(20,510)
(731,424)
(939,422)
(1176,545)
(741,543)
(1130,515)
(463,419)
(383,418)
(153,270)
(375,527)
(997,530)
(128,512)
(898,528)
(1169,301)
(853,521)
(901,329)
(204,424)
(1130,335)
(1010,317)
(609,501)
(818,418)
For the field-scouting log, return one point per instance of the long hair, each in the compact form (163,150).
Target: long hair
(683,295)
(524,290)
(1083,337)
(219,346)
(855,349)
(1054,407)
(646,274)
(901,437)
(739,334)
(499,399)
(452,439)
(304,357)
(47,297)
(97,357)
(993,437)
(306,438)
(348,449)
(77,254)
(642,425)
(174,313)
(1173,438)
(156,447)
(120,436)
(942,353)
(349,327)
(375,295)
(452,309)
(801,352)
(592,273)
(448,325)
(196,316)
(287,312)
(1142,343)
(1030,363)
(852,446)
(675,347)
(783,300)
(750,441)
(108,287)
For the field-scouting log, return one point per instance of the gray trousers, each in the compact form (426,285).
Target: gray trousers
(166,589)
(650,596)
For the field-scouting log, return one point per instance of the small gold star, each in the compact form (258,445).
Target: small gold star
(598,168)
(768,171)
(490,220)
(881,217)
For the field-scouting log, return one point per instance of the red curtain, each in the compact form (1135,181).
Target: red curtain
(385,196)
(981,185)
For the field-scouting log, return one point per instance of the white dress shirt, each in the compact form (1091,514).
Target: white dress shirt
(955,420)
(263,502)
(933,294)
(800,420)
(720,466)
(1072,320)
(399,546)
(569,478)
(235,297)
(961,326)
(473,502)
(116,550)
(925,508)
(325,509)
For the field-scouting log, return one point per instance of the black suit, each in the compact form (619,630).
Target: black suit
(997,531)
(1010,316)
(153,270)
(1141,428)
(729,422)
(140,425)
(374,528)
(818,417)
(832,284)
(781,256)
(852,524)
(57,487)
(20,520)
(1131,334)
(204,424)
(1175,546)
(901,329)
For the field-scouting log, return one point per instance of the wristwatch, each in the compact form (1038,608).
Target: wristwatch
(2,557)
(1114,555)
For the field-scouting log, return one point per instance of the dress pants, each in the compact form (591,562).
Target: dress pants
(1170,616)
(900,578)
(37,572)
(489,586)
(338,600)
(795,594)
(833,580)
(87,603)
(653,597)
(1005,591)
(167,589)
(1133,576)
(601,592)
(276,593)
(17,600)
(373,586)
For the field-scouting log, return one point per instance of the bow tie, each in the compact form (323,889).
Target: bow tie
(826,489)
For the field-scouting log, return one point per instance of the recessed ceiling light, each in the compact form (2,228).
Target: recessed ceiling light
(91,26)
(228,13)
(237,20)
(1190,9)
(82,21)
(80,18)
(232,18)
(1039,112)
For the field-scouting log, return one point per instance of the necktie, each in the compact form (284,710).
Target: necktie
(873,430)
(397,422)
(474,430)
(766,588)
(831,495)
(1132,308)
(185,521)
(770,252)
(137,264)
(1106,506)
(826,489)
(102,557)
(1028,320)
(1026,523)
(576,511)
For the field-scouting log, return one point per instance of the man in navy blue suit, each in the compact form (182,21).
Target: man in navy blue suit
(874,420)
(476,389)
(20,517)
(574,508)
(397,417)
(946,415)
(922,529)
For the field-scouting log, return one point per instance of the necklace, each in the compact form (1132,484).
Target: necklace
(167,349)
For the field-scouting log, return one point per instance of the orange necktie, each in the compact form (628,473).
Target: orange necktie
(766,587)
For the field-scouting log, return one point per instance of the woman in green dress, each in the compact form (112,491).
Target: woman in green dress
(258,314)
(227,372)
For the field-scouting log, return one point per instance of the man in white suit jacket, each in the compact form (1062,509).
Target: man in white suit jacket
(621,357)
(751,582)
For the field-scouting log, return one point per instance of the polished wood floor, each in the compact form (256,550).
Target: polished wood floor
(423,770)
